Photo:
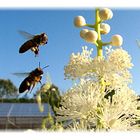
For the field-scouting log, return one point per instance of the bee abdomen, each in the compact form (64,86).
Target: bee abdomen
(26,46)
(25,85)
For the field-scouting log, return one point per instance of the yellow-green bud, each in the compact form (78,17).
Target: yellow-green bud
(105,28)
(91,36)
(116,40)
(79,21)
(83,32)
(105,14)
(38,98)
(46,87)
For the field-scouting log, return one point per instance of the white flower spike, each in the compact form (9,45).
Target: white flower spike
(79,21)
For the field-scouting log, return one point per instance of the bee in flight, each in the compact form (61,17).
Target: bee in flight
(33,42)
(31,80)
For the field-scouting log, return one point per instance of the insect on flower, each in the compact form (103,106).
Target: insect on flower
(31,80)
(33,42)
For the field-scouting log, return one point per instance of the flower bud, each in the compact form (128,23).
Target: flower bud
(105,28)
(38,98)
(105,14)
(41,107)
(111,14)
(91,36)
(83,32)
(116,40)
(79,21)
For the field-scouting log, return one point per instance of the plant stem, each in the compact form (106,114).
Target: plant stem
(99,44)
(99,51)
(90,25)
(97,29)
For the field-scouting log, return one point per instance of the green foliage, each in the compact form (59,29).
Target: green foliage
(7,88)
(52,96)
(47,122)
(14,100)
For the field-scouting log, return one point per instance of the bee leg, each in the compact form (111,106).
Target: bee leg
(36,51)
(41,83)
(36,55)
(26,94)
(32,87)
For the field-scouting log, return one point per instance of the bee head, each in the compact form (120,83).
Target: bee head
(38,71)
(44,38)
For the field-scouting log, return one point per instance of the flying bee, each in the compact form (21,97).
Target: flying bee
(31,80)
(33,42)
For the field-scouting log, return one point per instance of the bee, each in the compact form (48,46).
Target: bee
(33,42)
(31,80)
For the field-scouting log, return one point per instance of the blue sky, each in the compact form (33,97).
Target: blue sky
(63,40)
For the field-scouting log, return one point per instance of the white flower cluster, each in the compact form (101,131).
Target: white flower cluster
(86,106)
(121,59)
(119,64)
(120,114)
(87,109)
(78,102)
(113,69)
(79,64)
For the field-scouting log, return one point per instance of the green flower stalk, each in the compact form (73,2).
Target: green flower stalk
(97,29)
(94,36)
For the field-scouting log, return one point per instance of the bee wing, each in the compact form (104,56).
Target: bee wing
(26,35)
(138,43)
(24,74)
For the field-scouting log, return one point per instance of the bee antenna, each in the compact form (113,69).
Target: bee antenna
(39,64)
(45,67)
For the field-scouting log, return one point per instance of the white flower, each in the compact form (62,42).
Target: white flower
(91,36)
(108,49)
(79,21)
(79,64)
(79,101)
(113,69)
(87,108)
(83,32)
(87,105)
(116,40)
(120,113)
(105,14)
(121,59)
(105,28)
